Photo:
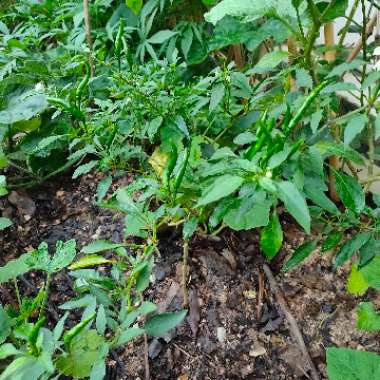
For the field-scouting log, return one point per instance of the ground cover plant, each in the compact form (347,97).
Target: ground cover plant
(221,116)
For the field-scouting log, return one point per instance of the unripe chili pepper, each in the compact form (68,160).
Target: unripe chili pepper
(119,42)
(301,112)
(82,85)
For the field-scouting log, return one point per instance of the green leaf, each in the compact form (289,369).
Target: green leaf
(295,203)
(371,272)
(161,36)
(271,237)
(318,196)
(332,241)
(84,169)
(134,5)
(83,354)
(220,188)
(160,324)
(329,148)
(368,251)
(4,223)
(371,79)
(251,8)
(129,334)
(189,228)
(23,107)
(344,67)
(8,349)
(367,318)
(354,127)
(15,268)
(143,278)
(377,125)
(270,61)
(5,325)
(244,138)
(299,255)
(101,320)
(303,78)
(102,188)
(340,86)
(335,9)
(89,261)
(350,248)
(350,192)
(217,94)
(251,212)
(348,364)
(100,246)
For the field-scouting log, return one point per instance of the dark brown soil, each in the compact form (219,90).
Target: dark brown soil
(227,334)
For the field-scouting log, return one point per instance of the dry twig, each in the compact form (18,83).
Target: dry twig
(294,329)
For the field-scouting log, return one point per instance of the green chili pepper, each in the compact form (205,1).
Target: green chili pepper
(82,85)
(182,170)
(301,112)
(296,146)
(170,167)
(33,336)
(63,104)
(71,334)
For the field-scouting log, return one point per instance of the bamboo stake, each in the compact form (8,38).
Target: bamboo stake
(330,56)
(87,23)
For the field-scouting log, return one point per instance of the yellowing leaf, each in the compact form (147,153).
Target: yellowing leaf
(158,161)
(357,284)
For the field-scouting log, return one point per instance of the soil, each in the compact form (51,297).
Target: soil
(234,328)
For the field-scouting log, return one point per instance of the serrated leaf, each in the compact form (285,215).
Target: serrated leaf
(295,203)
(299,255)
(84,169)
(160,324)
(350,192)
(347,364)
(89,261)
(367,318)
(270,61)
(217,94)
(271,237)
(303,78)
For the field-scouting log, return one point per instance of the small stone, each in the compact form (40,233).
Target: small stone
(250,294)
(257,351)
(221,334)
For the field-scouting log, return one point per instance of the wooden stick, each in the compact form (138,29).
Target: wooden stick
(356,50)
(293,326)
(185,273)
(87,24)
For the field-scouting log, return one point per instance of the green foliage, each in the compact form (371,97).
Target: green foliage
(344,363)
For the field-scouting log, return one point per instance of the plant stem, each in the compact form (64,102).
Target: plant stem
(46,296)
(17,293)
(348,22)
